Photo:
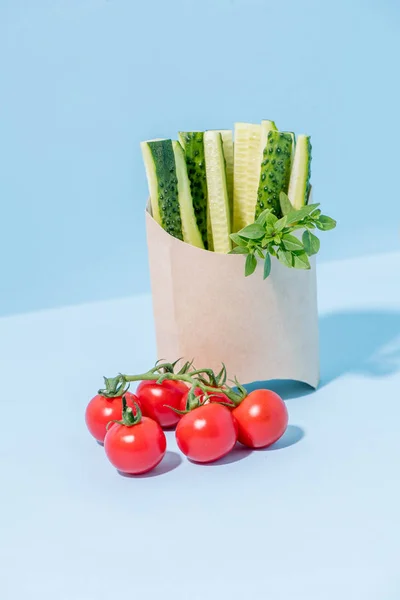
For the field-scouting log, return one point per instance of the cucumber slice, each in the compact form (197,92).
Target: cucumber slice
(293,136)
(266,127)
(275,172)
(247,160)
(299,184)
(190,230)
(192,143)
(227,144)
(218,199)
(159,161)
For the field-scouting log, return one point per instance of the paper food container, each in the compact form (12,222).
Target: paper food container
(207,310)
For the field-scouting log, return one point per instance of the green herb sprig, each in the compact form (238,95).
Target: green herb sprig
(269,236)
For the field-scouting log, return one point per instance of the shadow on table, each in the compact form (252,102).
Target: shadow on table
(171,461)
(292,436)
(238,453)
(364,342)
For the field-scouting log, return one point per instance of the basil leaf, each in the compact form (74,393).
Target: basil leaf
(251,264)
(291,242)
(269,230)
(285,257)
(255,231)
(267,265)
(280,224)
(271,219)
(237,239)
(325,223)
(300,261)
(298,215)
(311,243)
(239,250)
(262,217)
(286,205)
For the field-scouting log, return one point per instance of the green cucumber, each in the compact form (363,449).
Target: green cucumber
(227,145)
(293,136)
(246,173)
(299,185)
(192,143)
(190,230)
(275,172)
(218,199)
(309,194)
(159,161)
(266,127)
(171,200)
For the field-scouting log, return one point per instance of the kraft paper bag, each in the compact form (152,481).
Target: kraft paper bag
(207,310)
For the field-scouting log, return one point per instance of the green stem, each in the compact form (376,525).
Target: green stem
(194,383)
(149,376)
(129,418)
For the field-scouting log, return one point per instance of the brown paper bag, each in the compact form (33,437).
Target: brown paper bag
(207,310)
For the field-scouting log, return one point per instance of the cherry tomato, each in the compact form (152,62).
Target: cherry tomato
(217,397)
(135,449)
(262,419)
(102,410)
(206,433)
(154,396)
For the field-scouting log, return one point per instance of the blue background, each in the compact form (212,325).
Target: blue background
(83,81)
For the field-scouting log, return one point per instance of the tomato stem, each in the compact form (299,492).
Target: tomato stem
(235,397)
(129,418)
(203,379)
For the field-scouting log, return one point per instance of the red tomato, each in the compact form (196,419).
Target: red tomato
(154,396)
(135,449)
(206,433)
(217,397)
(262,419)
(102,410)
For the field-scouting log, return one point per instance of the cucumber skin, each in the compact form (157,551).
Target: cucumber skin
(293,136)
(303,143)
(308,184)
(190,231)
(168,201)
(266,126)
(228,148)
(193,146)
(275,172)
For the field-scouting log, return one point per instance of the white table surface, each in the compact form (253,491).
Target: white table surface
(315,517)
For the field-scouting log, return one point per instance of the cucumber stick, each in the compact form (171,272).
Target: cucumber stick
(192,143)
(275,172)
(227,144)
(293,136)
(159,162)
(218,199)
(191,232)
(299,184)
(266,127)
(247,160)
(169,187)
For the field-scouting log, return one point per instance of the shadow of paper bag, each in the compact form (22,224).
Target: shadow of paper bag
(207,310)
